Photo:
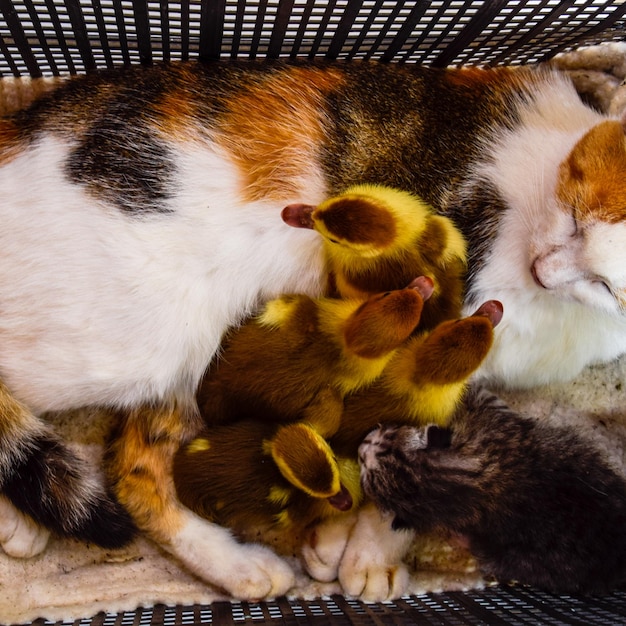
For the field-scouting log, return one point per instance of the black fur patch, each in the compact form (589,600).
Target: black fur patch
(48,486)
(120,160)
(420,140)
(476,213)
(438,437)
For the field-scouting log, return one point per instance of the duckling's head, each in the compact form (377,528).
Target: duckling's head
(365,221)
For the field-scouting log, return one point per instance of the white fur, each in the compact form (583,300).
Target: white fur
(548,333)
(372,567)
(246,571)
(365,554)
(19,535)
(101,307)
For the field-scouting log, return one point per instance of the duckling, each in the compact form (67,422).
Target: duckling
(229,474)
(378,238)
(278,390)
(424,383)
(288,476)
(297,388)
(274,366)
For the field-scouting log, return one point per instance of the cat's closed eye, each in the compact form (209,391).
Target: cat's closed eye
(603,284)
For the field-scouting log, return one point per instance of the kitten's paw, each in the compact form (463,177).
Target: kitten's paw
(20,536)
(245,571)
(323,548)
(372,568)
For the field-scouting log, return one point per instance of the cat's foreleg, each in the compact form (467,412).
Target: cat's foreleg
(48,483)
(362,551)
(139,464)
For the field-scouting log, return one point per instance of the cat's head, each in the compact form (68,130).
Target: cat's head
(582,254)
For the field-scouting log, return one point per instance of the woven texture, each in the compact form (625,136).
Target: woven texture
(45,37)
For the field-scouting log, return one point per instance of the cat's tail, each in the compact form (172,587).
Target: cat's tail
(42,477)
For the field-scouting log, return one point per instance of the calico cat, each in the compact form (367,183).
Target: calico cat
(141,219)
(534,502)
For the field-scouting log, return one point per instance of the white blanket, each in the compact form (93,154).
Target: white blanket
(71,580)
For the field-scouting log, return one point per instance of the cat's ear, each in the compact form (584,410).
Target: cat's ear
(437,437)
(618,105)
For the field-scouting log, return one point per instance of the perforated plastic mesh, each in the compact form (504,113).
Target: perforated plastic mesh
(58,37)
(489,607)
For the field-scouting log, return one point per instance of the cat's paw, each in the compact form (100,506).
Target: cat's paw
(245,571)
(371,567)
(256,572)
(20,536)
(323,548)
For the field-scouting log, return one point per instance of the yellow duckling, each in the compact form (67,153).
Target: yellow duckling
(273,367)
(378,238)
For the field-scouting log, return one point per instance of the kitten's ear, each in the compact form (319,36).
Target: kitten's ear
(437,437)
(399,524)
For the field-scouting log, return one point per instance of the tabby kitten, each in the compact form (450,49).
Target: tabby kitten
(534,502)
(141,219)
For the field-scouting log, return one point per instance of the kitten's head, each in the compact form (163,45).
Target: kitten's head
(416,473)
(582,254)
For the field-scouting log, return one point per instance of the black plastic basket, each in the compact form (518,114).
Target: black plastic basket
(497,605)
(56,38)
(46,37)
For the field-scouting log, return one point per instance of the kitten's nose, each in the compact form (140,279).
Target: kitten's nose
(367,449)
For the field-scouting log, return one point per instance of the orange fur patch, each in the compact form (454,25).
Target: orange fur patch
(10,143)
(15,419)
(140,468)
(273,130)
(177,108)
(477,77)
(591,179)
